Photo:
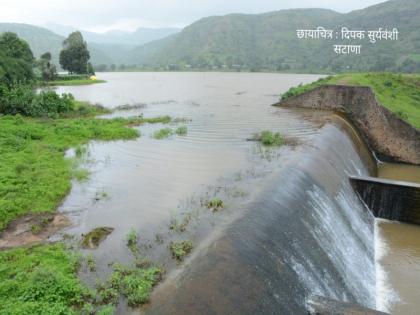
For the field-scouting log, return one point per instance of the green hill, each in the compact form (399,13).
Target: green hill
(268,41)
(42,40)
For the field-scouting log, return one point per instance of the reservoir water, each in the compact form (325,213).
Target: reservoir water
(292,225)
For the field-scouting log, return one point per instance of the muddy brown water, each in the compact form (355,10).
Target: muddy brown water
(291,226)
(398,252)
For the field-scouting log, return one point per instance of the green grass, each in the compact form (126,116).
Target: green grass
(180,249)
(163,133)
(400,93)
(134,283)
(34,174)
(269,138)
(73,82)
(40,280)
(132,239)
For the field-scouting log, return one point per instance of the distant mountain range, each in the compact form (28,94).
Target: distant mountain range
(116,37)
(269,42)
(105,48)
(260,42)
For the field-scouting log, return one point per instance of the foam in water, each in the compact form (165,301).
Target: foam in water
(385,294)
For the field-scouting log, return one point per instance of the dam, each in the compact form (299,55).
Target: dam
(298,228)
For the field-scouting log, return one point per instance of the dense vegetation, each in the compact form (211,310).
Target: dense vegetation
(39,281)
(400,93)
(16,60)
(42,280)
(41,40)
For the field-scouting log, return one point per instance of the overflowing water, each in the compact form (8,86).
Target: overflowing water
(292,225)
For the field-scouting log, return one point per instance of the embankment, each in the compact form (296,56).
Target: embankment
(391,138)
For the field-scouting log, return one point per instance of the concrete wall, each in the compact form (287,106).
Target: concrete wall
(391,138)
(388,199)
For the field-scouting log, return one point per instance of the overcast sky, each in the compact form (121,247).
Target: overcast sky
(103,15)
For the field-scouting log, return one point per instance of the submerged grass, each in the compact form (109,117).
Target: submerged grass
(163,133)
(73,82)
(270,138)
(34,174)
(181,131)
(215,204)
(133,283)
(180,249)
(400,93)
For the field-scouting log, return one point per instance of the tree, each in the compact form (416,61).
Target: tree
(48,70)
(75,56)
(90,69)
(16,60)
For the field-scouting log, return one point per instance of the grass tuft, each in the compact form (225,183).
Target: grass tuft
(215,204)
(180,249)
(181,131)
(163,133)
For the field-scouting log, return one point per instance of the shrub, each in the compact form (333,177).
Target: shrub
(22,99)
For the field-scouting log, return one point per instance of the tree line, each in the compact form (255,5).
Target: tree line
(19,70)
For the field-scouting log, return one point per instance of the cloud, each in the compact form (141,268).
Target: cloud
(102,15)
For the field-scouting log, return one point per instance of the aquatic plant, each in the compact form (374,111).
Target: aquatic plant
(163,133)
(180,249)
(215,204)
(180,225)
(269,138)
(90,262)
(157,120)
(132,240)
(181,131)
(133,283)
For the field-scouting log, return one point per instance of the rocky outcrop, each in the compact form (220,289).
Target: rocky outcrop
(391,138)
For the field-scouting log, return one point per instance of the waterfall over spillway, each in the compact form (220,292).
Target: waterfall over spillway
(306,233)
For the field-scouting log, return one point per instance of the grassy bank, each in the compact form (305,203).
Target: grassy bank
(73,82)
(34,174)
(400,93)
(40,280)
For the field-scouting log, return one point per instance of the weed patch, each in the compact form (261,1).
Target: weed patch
(180,249)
